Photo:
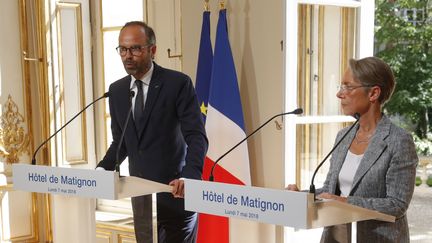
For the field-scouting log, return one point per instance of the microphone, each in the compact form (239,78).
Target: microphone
(295,112)
(107,94)
(117,165)
(312,186)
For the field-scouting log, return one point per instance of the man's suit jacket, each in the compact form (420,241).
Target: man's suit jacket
(172,142)
(384,181)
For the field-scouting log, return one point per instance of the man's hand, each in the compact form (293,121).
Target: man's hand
(292,187)
(178,188)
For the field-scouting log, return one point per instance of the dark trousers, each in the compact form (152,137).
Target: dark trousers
(173,226)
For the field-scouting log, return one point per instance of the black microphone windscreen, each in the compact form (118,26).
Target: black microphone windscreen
(357,115)
(132,93)
(298,111)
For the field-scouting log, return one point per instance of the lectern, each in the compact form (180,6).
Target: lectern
(83,185)
(282,207)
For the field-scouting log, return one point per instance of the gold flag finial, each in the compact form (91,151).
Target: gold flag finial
(222,4)
(206,5)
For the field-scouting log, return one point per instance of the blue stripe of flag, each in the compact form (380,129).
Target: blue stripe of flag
(204,67)
(224,92)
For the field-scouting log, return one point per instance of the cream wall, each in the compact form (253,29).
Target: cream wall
(256,29)
(11,82)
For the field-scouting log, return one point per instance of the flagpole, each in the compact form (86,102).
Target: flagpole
(206,5)
(222,5)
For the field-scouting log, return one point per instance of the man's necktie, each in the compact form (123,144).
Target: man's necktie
(139,104)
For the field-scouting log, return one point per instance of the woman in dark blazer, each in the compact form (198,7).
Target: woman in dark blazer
(374,166)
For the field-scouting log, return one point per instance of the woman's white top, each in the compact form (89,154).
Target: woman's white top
(346,174)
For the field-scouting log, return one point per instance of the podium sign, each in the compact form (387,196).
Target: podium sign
(273,206)
(82,182)
(65,181)
(281,207)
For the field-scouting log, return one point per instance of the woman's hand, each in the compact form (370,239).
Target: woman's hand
(326,195)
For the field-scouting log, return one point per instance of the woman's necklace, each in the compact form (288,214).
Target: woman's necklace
(363,140)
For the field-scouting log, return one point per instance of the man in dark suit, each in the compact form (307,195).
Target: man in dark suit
(166,140)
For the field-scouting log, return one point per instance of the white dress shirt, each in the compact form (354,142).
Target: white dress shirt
(347,172)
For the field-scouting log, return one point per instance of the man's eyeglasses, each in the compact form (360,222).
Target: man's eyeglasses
(347,88)
(134,50)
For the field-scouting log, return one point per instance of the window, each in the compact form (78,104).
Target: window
(326,42)
(321,36)
(113,15)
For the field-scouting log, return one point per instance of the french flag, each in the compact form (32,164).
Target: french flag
(225,128)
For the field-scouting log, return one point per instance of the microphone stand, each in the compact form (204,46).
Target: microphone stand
(67,123)
(117,165)
(296,111)
(312,186)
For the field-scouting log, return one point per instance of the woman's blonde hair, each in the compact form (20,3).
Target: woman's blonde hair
(371,71)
